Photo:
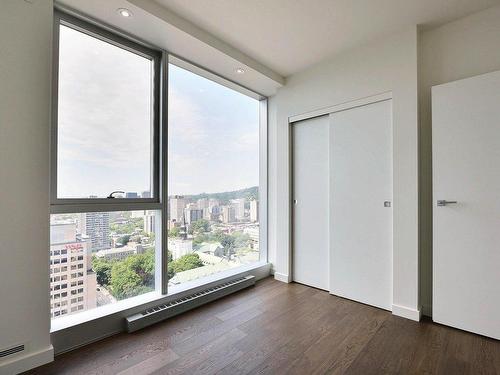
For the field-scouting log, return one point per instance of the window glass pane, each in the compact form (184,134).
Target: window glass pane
(104,119)
(213,177)
(98,258)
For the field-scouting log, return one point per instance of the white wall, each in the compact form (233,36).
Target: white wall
(386,65)
(460,49)
(25,58)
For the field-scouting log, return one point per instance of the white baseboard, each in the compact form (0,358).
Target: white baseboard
(26,362)
(282,277)
(406,312)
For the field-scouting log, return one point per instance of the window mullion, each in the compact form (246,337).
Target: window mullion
(164,172)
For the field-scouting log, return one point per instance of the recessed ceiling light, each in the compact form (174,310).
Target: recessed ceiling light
(124,12)
(240,70)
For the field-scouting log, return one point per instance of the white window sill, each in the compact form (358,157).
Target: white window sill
(135,304)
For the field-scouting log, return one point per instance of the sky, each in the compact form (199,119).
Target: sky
(104,125)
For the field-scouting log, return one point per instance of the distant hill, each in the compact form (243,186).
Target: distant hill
(249,193)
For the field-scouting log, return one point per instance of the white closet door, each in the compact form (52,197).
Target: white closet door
(310,208)
(466,172)
(360,204)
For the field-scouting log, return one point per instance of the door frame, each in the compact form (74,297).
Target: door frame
(323,112)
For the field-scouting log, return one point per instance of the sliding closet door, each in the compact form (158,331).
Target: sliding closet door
(360,204)
(310,208)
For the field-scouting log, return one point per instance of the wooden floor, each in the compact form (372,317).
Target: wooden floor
(277,328)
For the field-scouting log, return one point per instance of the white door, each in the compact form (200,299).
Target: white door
(360,207)
(310,208)
(466,170)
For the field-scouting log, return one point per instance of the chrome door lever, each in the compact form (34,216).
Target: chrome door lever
(442,203)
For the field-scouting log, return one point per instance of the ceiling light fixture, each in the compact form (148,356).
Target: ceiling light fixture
(124,12)
(240,70)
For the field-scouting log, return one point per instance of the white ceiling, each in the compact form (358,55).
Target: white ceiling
(161,28)
(269,39)
(290,35)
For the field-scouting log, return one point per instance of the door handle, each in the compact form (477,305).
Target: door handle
(442,203)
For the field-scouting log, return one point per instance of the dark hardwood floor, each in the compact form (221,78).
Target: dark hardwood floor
(277,328)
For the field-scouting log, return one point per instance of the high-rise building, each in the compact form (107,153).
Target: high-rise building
(254,210)
(192,213)
(239,207)
(212,202)
(72,282)
(228,214)
(177,205)
(203,203)
(213,210)
(149,222)
(95,225)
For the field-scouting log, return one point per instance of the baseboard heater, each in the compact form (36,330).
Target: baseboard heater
(12,350)
(185,303)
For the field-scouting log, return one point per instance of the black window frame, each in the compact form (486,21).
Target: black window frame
(69,205)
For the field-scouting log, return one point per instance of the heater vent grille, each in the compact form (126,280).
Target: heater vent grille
(10,351)
(185,303)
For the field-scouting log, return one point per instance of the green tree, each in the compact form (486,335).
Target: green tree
(174,232)
(201,226)
(124,239)
(186,262)
(133,275)
(219,235)
(227,243)
(200,238)
(102,268)
(135,238)
(170,271)
(241,239)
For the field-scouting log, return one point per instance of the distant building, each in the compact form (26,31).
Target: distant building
(228,214)
(215,249)
(149,222)
(215,212)
(121,252)
(179,247)
(212,202)
(203,203)
(146,194)
(173,224)
(177,205)
(193,214)
(254,235)
(239,207)
(131,194)
(72,282)
(254,210)
(95,225)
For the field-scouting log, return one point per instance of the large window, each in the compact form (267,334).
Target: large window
(99,258)
(105,198)
(213,179)
(122,234)
(105,119)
